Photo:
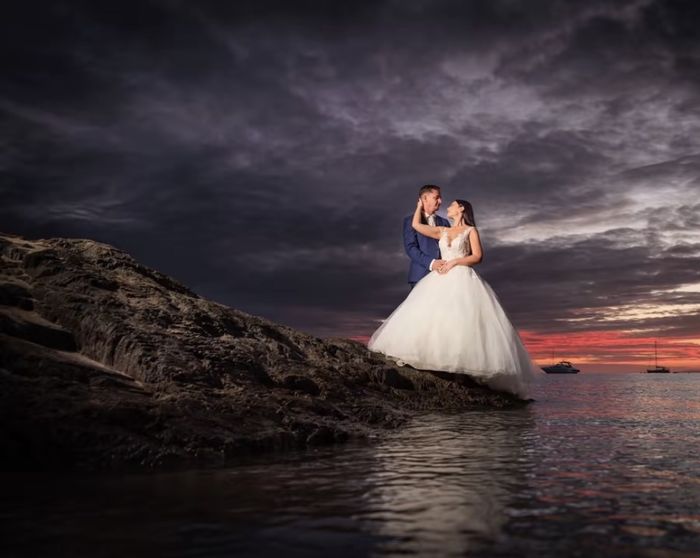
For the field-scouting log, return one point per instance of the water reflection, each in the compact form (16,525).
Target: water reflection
(445,483)
(599,465)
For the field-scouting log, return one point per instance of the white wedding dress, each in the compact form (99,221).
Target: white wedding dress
(454,322)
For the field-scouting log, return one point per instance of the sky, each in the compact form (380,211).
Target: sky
(265,153)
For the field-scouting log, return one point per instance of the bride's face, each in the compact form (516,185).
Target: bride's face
(454,211)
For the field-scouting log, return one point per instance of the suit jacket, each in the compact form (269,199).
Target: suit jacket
(420,248)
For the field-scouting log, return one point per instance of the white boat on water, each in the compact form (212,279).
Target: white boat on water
(563,367)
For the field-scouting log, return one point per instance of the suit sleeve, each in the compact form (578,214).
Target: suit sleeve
(410,243)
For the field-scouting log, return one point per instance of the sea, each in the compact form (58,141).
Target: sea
(597,465)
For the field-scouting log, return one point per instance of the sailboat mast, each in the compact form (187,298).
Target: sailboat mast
(656,363)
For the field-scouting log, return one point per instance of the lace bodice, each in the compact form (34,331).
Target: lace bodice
(458,248)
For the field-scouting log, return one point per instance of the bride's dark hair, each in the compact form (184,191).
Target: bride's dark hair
(468,215)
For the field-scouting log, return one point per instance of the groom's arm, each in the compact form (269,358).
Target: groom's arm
(410,243)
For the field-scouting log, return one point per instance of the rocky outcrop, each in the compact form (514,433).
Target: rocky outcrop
(107,364)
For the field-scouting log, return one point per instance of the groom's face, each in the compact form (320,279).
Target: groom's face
(431,201)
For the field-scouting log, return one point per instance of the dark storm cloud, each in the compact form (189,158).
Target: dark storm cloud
(265,152)
(585,281)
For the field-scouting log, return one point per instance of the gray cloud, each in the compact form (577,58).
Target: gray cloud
(264,153)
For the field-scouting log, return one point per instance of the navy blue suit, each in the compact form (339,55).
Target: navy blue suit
(420,248)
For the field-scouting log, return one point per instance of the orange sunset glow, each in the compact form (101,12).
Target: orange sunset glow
(609,351)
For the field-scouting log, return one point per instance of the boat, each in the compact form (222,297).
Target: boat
(563,367)
(657,369)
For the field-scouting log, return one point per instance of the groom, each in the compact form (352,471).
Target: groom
(424,251)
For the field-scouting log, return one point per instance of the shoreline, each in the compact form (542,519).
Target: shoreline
(109,365)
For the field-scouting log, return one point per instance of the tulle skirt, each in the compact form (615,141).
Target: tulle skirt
(455,323)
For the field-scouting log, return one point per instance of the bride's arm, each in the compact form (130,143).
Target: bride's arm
(472,259)
(427,230)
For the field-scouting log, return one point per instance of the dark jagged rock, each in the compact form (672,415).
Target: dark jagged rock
(106,364)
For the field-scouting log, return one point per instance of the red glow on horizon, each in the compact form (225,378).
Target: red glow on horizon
(364,339)
(616,348)
(607,351)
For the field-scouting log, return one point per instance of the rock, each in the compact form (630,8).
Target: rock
(15,294)
(299,383)
(31,327)
(106,364)
(321,435)
(393,378)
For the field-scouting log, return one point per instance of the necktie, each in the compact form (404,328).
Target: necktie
(431,220)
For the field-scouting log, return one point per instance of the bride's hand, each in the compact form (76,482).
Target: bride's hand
(446,267)
(420,204)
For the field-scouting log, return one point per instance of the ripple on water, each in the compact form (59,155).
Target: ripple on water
(598,465)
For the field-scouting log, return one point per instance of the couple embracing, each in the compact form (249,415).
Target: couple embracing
(452,320)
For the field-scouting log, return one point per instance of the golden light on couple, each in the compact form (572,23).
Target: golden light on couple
(452,320)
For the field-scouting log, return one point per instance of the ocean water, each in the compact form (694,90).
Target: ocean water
(598,465)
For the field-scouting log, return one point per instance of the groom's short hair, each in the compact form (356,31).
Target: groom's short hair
(428,188)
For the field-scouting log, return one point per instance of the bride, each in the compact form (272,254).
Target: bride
(452,320)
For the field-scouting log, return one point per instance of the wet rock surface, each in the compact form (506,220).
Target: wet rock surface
(106,364)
